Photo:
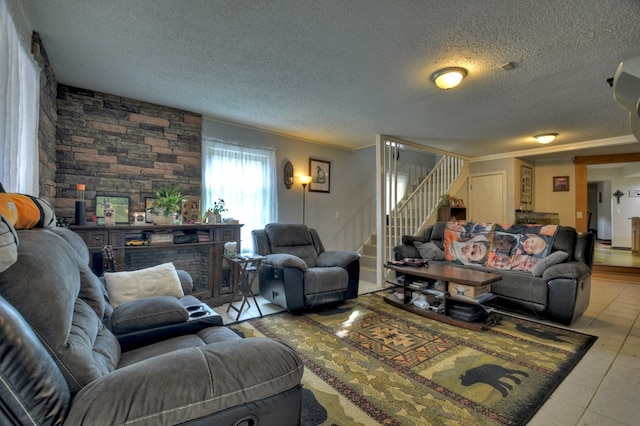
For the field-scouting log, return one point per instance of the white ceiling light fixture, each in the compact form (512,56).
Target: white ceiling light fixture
(546,138)
(448,78)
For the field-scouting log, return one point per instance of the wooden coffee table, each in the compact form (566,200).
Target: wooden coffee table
(439,272)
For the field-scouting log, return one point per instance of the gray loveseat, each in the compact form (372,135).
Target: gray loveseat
(59,363)
(561,294)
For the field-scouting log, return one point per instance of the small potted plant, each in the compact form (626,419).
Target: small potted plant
(217,210)
(167,204)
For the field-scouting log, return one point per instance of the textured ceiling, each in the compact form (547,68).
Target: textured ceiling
(341,72)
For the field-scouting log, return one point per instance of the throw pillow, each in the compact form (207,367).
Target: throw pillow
(553,259)
(26,211)
(8,244)
(429,251)
(160,280)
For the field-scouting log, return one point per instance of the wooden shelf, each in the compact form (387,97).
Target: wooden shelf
(452,213)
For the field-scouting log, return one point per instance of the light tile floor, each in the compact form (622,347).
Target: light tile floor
(604,388)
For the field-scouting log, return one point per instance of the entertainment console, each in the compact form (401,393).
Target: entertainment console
(442,302)
(201,255)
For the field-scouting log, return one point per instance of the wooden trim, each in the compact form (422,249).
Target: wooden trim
(582,204)
(608,158)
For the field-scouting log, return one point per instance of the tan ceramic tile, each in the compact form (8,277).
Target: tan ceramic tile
(591,418)
(557,412)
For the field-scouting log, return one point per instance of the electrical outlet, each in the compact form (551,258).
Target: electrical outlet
(337,215)
(579,215)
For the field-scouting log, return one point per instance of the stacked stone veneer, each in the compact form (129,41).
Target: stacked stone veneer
(47,122)
(118,146)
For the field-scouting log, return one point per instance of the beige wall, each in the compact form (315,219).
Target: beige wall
(545,200)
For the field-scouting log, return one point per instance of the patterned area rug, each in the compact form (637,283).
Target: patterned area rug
(367,362)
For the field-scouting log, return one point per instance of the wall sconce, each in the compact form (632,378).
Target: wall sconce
(288,175)
(546,138)
(304,180)
(448,78)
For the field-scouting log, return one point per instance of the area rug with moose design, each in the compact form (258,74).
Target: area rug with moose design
(367,362)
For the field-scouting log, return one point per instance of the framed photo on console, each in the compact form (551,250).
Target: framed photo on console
(114,209)
(148,202)
(319,171)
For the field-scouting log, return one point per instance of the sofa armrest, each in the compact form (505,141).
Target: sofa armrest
(569,270)
(568,298)
(406,250)
(410,239)
(147,313)
(340,258)
(284,260)
(201,381)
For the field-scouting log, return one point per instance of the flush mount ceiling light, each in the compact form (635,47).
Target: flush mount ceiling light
(448,78)
(546,137)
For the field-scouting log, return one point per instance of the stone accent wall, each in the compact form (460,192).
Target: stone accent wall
(122,147)
(47,121)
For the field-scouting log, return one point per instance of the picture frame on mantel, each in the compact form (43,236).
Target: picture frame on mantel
(320,172)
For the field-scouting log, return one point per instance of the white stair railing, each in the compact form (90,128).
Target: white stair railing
(410,214)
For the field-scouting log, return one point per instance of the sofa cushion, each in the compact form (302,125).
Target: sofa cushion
(429,251)
(553,259)
(522,286)
(325,279)
(159,280)
(294,239)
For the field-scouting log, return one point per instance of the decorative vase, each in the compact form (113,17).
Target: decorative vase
(216,217)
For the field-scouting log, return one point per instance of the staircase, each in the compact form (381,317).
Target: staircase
(411,214)
(368,259)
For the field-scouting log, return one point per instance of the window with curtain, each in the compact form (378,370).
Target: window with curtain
(245,178)
(19,104)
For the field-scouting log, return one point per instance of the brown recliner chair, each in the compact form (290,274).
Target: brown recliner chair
(297,273)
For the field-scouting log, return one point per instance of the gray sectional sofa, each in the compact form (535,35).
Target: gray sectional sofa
(60,364)
(561,293)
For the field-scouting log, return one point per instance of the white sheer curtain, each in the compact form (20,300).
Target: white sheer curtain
(19,104)
(245,178)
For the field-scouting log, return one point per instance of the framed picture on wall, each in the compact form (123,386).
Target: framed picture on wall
(526,185)
(560,183)
(319,171)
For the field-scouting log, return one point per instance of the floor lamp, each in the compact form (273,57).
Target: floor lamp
(304,180)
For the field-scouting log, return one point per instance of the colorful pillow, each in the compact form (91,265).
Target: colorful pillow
(160,280)
(26,211)
(8,244)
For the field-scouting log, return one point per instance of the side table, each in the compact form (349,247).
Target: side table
(241,283)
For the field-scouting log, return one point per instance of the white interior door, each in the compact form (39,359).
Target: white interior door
(487,198)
